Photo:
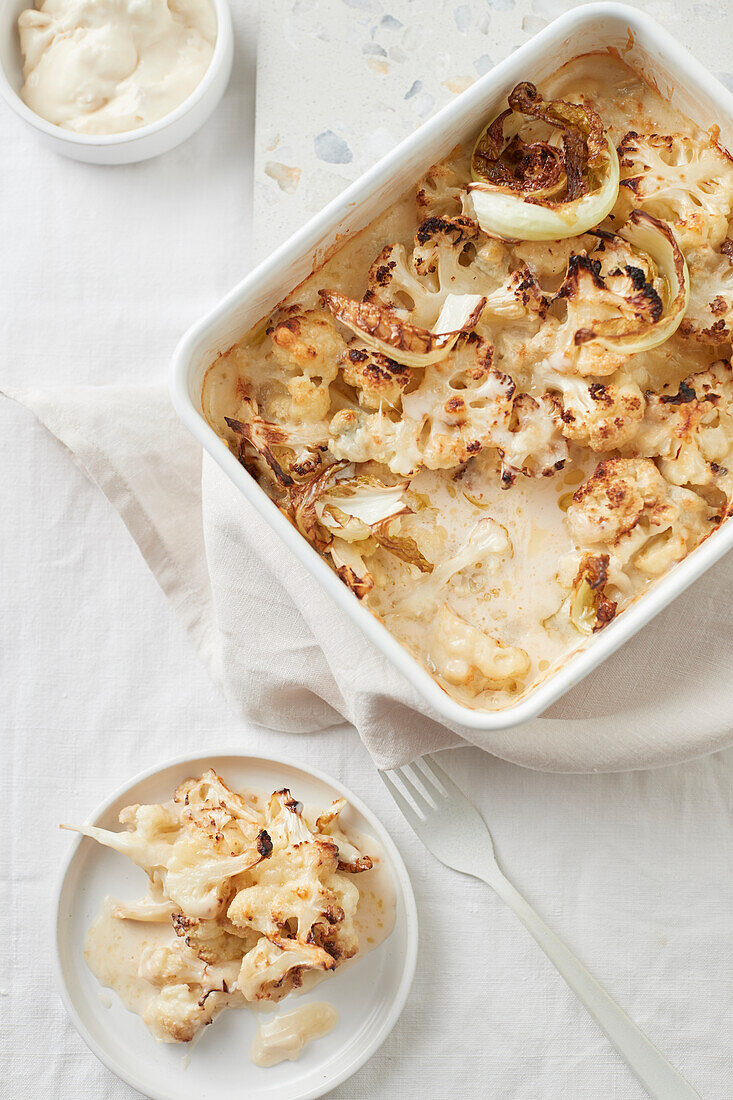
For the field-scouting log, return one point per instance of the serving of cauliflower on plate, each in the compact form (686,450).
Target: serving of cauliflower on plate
(537,336)
(246,897)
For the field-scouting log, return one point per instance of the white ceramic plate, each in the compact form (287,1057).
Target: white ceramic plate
(368,996)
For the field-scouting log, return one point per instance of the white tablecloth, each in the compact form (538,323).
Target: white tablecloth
(102,269)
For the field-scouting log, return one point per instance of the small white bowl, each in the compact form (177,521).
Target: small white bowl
(132,145)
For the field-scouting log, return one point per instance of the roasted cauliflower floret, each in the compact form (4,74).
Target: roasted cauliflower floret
(176,1016)
(602,417)
(168,964)
(202,886)
(548,260)
(442,192)
(376,378)
(445,421)
(308,349)
(303,904)
(393,281)
(275,967)
(227,821)
(594,303)
(685,181)
(690,432)
(449,258)
(709,317)
(360,436)
(613,500)
(531,443)
(646,525)
(459,405)
(468,657)
(213,941)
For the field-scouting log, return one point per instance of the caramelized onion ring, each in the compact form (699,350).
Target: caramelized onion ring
(539,190)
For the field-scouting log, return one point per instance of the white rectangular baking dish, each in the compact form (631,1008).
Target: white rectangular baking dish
(648,49)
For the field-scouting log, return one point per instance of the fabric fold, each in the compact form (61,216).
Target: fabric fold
(287,658)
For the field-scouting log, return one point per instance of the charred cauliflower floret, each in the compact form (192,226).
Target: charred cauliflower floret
(442,192)
(602,417)
(468,657)
(446,254)
(376,378)
(613,500)
(593,303)
(709,317)
(548,260)
(303,905)
(446,420)
(532,442)
(308,349)
(645,524)
(690,431)
(451,256)
(393,281)
(518,304)
(459,405)
(448,258)
(276,967)
(685,181)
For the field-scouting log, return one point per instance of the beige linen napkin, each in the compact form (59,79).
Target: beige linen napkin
(285,655)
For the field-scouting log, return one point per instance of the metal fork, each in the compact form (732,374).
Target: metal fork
(453,830)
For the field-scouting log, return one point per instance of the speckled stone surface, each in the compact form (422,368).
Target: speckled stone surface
(342,81)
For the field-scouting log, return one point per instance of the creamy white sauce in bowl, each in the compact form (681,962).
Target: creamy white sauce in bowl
(92,142)
(109,66)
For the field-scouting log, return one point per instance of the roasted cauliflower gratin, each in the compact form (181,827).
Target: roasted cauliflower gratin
(505,408)
(248,899)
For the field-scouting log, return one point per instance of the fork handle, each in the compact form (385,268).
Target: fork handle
(659,1078)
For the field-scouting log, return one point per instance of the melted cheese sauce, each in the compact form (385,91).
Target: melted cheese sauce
(285,1037)
(113,949)
(118,951)
(511,601)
